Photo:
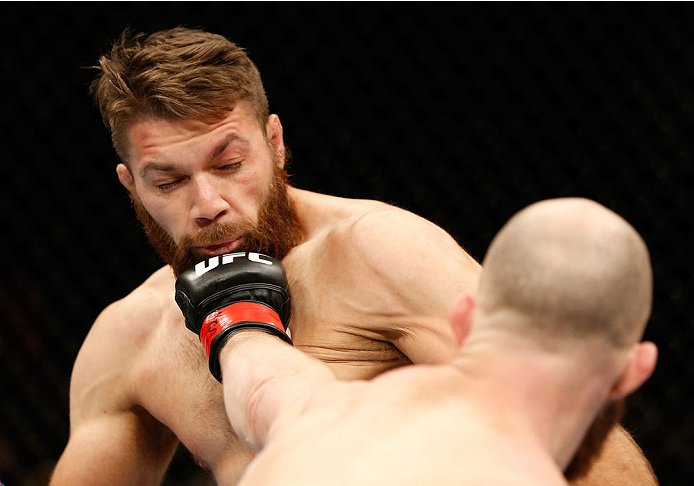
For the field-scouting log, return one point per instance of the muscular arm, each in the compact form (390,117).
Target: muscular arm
(264,377)
(114,449)
(112,440)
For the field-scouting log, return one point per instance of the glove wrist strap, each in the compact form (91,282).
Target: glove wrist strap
(235,313)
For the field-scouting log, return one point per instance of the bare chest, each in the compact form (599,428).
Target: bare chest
(175,386)
(336,328)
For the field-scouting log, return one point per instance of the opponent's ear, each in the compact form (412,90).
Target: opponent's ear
(461,318)
(275,134)
(125,177)
(640,365)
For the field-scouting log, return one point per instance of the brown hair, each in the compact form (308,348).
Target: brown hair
(179,73)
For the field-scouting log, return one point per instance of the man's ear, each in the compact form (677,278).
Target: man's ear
(461,318)
(639,367)
(125,177)
(275,135)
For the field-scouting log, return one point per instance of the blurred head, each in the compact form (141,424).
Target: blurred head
(563,271)
(575,279)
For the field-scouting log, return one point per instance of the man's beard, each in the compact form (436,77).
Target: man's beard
(276,233)
(590,448)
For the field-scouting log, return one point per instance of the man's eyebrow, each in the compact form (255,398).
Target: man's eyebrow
(160,166)
(215,152)
(222,146)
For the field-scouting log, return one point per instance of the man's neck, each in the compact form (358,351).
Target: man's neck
(556,398)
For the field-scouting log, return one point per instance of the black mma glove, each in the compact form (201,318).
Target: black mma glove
(227,293)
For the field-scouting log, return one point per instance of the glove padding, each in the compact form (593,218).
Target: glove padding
(227,293)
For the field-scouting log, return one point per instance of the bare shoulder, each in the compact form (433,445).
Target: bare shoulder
(113,438)
(375,232)
(620,461)
(386,273)
(101,377)
(131,318)
(403,248)
(391,233)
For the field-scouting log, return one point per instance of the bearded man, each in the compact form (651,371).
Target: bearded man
(204,162)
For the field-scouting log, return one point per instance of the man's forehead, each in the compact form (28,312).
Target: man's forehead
(151,136)
(155,131)
(151,130)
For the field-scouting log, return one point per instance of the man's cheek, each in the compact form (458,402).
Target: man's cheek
(167,220)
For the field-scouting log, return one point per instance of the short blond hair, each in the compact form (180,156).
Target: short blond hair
(570,268)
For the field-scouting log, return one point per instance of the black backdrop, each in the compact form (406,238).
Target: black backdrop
(461,112)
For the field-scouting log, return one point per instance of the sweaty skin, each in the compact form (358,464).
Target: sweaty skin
(371,289)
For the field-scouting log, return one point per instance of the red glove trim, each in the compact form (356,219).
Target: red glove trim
(233,314)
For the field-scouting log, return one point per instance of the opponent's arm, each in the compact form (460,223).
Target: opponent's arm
(264,378)
(112,442)
(223,299)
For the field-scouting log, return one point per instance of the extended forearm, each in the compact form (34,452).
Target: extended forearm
(264,377)
(239,306)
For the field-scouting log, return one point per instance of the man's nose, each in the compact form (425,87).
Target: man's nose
(208,203)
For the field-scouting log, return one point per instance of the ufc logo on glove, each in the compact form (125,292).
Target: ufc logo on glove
(205,266)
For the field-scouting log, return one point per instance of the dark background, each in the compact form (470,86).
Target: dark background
(461,112)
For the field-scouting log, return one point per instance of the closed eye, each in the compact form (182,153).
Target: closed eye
(230,167)
(169,185)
